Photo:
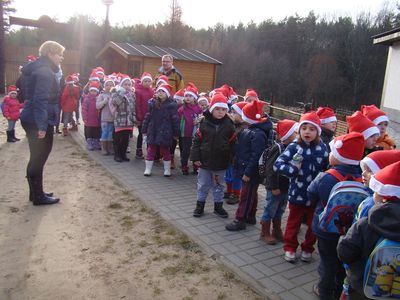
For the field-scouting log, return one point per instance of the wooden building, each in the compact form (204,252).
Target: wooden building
(390,101)
(134,59)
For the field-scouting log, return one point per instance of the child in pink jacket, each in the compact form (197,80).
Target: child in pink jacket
(11,110)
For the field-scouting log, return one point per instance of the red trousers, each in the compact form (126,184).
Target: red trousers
(296,215)
(248,201)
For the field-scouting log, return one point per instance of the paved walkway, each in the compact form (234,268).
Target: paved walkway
(260,265)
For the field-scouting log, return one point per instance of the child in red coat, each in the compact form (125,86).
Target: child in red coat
(69,101)
(11,108)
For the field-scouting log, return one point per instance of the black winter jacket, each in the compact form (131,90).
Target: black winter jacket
(212,143)
(272,179)
(355,247)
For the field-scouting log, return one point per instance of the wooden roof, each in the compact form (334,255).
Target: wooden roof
(129,49)
(388,37)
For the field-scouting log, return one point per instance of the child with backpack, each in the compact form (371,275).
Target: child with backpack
(251,143)
(106,117)
(211,152)
(11,110)
(336,204)
(188,115)
(380,119)
(276,185)
(371,247)
(301,162)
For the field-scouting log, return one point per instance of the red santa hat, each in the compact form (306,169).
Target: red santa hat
(146,75)
(179,95)
(312,118)
(12,89)
(94,86)
(203,98)
(218,100)
(227,91)
(162,79)
(285,128)
(166,88)
(250,93)
(69,79)
(238,107)
(31,57)
(192,90)
(94,76)
(108,79)
(374,114)
(360,123)
(124,78)
(326,115)
(75,77)
(253,112)
(99,71)
(386,182)
(348,148)
(377,160)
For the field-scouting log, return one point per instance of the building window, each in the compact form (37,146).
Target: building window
(134,68)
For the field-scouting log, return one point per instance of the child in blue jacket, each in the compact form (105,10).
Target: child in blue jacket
(301,162)
(345,156)
(251,143)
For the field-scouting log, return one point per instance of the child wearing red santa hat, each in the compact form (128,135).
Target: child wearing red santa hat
(11,110)
(328,124)
(276,185)
(383,221)
(301,162)
(346,153)
(251,144)
(380,119)
(212,152)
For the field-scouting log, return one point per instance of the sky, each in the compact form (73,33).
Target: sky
(196,13)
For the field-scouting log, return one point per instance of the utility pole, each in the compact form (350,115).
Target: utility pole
(107,3)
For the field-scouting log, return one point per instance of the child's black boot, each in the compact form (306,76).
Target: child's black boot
(219,210)
(199,210)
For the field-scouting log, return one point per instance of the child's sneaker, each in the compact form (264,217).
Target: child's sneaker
(233,199)
(290,256)
(305,256)
(236,225)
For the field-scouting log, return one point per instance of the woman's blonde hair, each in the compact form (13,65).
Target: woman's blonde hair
(51,47)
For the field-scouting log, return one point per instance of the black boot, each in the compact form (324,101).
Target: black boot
(31,191)
(39,198)
(219,210)
(117,156)
(236,225)
(9,137)
(13,136)
(199,210)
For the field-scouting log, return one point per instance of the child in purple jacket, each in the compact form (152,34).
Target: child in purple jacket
(91,118)
(188,116)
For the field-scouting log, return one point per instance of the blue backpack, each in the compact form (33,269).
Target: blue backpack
(382,271)
(342,204)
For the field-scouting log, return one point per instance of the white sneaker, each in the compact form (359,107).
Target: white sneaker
(290,256)
(305,256)
(167,168)
(149,166)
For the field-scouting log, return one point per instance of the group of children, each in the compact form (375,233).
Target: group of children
(302,163)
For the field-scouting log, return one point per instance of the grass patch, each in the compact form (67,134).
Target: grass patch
(144,243)
(221,295)
(127,222)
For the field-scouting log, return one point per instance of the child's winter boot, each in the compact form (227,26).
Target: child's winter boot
(9,137)
(117,156)
(104,147)
(149,166)
(89,144)
(13,136)
(199,210)
(195,169)
(65,131)
(277,229)
(139,153)
(185,170)
(74,127)
(167,168)
(236,225)
(219,210)
(266,233)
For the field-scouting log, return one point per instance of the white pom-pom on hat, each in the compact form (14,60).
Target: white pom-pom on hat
(258,116)
(339,144)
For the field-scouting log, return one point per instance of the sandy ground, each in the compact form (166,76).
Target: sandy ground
(99,242)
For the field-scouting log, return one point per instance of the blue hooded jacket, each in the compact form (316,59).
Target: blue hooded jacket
(41,91)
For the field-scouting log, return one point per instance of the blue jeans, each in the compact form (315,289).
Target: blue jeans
(11,125)
(213,180)
(275,206)
(232,179)
(107,129)
(67,116)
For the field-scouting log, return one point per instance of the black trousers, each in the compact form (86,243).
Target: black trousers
(139,141)
(185,143)
(39,149)
(121,141)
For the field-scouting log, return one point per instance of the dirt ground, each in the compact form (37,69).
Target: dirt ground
(99,242)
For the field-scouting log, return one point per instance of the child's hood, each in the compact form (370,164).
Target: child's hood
(385,219)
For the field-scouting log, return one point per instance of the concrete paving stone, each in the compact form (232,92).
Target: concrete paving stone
(288,296)
(246,257)
(274,261)
(252,245)
(220,249)
(253,272)
(271,285)
(208,240)
(265,255)
(308,287)
(259,249)
(311,266)
(302,294)
(230,246)
(283,281)
(217,237)
(267,271)
(236,260)
(291,272)
(284,266)
(241,241)
(303,279)
(204,229)
(194,231)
